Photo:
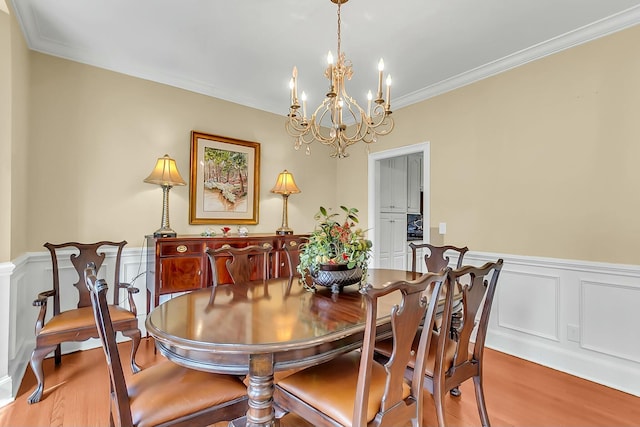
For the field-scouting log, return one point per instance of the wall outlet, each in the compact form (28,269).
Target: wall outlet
(573,333)
(442,228)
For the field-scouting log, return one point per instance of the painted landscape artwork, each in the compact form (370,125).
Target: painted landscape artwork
(225,181)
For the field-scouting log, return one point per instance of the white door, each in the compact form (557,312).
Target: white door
(392,242)
(379,222)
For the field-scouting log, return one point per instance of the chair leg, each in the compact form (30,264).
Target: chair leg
(36,366)
(135,336)
(482,408)
(438,398)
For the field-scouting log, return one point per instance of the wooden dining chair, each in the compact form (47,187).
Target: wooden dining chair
(452,360)
(354,389)
(242,264)
(436,258)
(72,319)
(165,394)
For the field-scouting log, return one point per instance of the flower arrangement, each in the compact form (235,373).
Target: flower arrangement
(334,242)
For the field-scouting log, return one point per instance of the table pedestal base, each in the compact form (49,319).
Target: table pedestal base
(260,391)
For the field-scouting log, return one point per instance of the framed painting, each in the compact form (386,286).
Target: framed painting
(225,180)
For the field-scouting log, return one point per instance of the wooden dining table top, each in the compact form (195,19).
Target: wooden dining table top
(278,317)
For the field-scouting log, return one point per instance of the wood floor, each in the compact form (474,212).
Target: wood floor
(518,393)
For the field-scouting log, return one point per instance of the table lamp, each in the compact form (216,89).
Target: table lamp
(285,185)
(166,175)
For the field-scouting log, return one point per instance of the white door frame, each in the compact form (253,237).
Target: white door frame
(374,188)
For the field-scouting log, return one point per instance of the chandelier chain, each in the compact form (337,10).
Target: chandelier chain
(339,38)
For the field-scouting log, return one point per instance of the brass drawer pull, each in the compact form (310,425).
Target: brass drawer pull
(181,249)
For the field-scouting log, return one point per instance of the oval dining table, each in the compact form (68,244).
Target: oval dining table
(257,329)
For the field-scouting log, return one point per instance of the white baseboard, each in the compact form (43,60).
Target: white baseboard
(7,394)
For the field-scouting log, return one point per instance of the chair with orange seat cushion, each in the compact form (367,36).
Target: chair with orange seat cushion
(165,394)
(355,390)
(72,319)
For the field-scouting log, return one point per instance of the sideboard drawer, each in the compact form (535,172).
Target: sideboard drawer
(180,248)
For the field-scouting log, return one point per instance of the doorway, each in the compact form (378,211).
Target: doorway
(385,256)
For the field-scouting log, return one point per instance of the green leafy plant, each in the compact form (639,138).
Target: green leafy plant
(333,242)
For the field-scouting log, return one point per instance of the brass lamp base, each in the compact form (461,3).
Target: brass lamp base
(284,231)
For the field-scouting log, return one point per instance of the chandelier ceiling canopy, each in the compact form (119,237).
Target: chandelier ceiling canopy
(339,121)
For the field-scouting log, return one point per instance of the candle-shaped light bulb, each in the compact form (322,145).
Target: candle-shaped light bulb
(304,106)
(330,71)
(388,92)
(291,89)
(380,70)
(369,98)
(295,84)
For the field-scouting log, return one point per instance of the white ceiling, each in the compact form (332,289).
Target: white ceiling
(244,50)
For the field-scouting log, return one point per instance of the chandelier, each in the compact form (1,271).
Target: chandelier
(339,121)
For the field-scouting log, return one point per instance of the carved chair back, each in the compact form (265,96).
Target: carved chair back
(80,254)
(97,290)
(435,258)
(243,262)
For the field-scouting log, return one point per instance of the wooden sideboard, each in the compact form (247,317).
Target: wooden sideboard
(179,264)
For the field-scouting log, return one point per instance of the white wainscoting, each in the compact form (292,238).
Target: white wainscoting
(32,274)
(574,316)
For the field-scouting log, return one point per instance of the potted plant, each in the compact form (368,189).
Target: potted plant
(336,253)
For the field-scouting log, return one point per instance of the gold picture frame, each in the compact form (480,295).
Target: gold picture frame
(225,180)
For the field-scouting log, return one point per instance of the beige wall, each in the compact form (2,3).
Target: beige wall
(541,160)
(19,139)
(14,74)
(95,135)
(5,135)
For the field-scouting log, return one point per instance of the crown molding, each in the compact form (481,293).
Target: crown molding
(585,34)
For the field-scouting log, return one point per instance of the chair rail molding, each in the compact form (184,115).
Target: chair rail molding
(560,313)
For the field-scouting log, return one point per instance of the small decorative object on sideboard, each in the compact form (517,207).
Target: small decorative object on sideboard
(243,231)
(336,254)
(225,231)
(209,232)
